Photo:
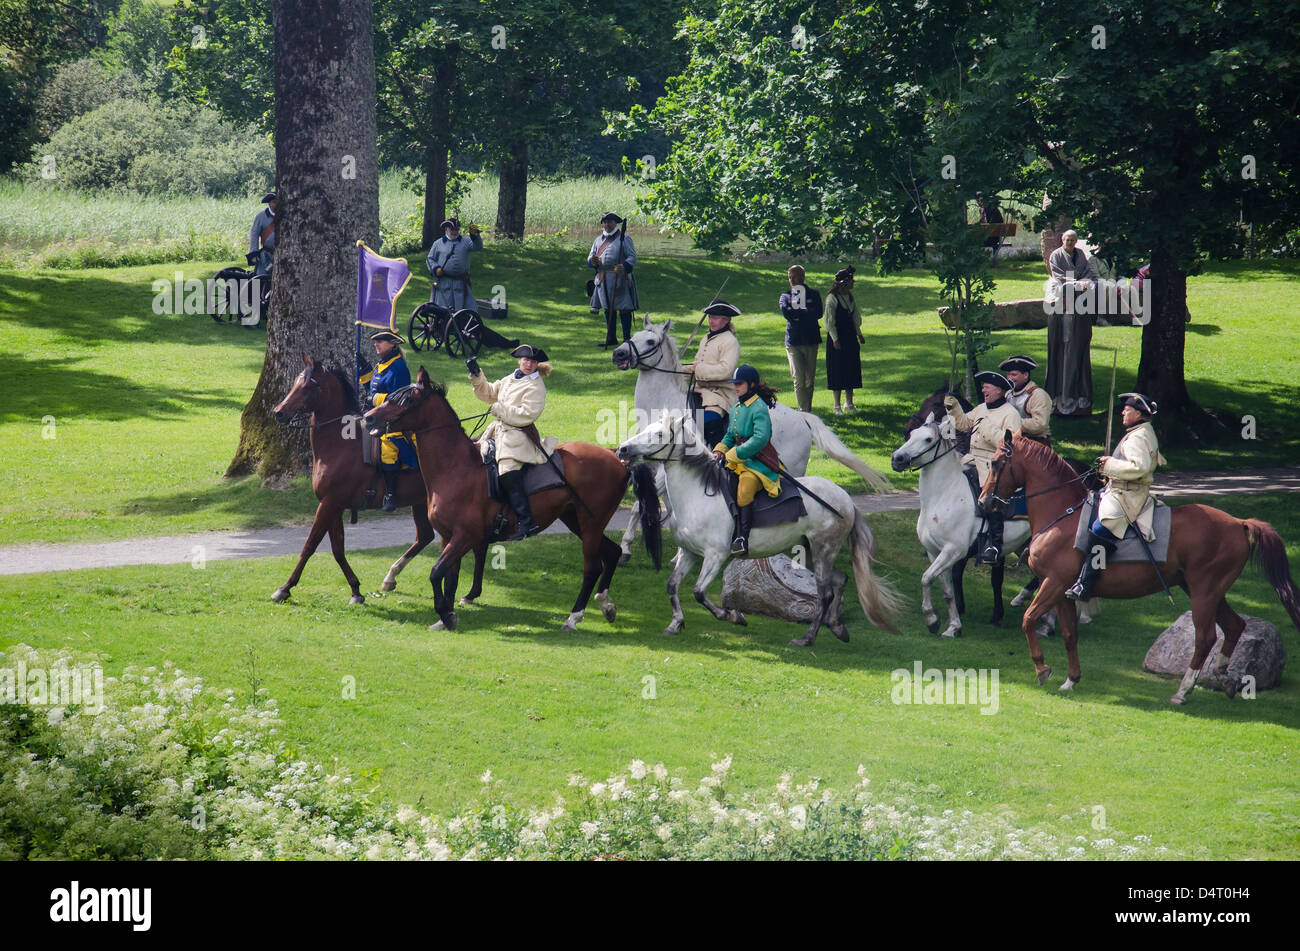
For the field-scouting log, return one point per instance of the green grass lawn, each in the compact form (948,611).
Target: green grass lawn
(146,407)
(511,693)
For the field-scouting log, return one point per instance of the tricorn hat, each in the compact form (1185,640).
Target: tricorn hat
(1023,364)
(720,308)
(270,196)
(528,350)
(843,274)
(450,223)
(611,216)
(992,376)
(1139,402)
(387,335)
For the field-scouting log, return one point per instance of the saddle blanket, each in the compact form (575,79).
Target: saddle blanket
(543,476)
(786,507)
(1130,548)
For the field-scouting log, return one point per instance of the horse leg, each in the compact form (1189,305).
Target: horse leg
(928,614)
(683,563)
(713,562)
(609,557)
(1205,606)
(424,534)
(825,595)
(629,533)
(836,616)
(336,543)
(1026,592)
(996,575)
(958,570)
(1049,595)
(476,589)
(1068,619)
(592,567)
(951,591)
(453,550)
(1232,624)
(319,525)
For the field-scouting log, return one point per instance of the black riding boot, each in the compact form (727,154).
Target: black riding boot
(744,522)
(513,484)
(992,553)
(1083,588)
(625,322)
(390,489)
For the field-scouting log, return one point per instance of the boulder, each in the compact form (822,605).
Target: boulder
(1259,653)
(773,587)
(1027,314)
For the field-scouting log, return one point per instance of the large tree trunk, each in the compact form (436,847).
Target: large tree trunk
(1164,338)
(328,181)
(512,195)
(436,165)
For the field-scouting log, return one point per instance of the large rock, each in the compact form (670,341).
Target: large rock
(774,587)
(1259,653)
(1027,314)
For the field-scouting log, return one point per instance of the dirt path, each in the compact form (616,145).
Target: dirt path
(390,532)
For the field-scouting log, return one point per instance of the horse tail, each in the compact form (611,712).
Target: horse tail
(880,600)
(1269,554)
(643,487)
(829,443)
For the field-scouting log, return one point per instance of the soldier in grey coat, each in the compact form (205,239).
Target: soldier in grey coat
(614,289)
(261,237)
(449,264)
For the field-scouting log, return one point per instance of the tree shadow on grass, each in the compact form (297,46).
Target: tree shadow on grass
(242,502)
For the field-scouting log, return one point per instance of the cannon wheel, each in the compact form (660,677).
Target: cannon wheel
(422,332)
(455,344)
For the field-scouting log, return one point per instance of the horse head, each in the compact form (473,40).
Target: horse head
(654,443)
(932,404)
(1003,479)
(644,346)
(399,404)
(304,395)
(922,438)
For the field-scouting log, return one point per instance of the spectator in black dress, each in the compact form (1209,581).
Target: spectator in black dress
(801,306)
(843,335)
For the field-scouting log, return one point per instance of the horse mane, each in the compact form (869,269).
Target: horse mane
(349,391)
(1044,457)
(934,404)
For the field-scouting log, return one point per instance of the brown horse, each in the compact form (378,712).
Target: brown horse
(462,511)
(1208,548)
(340,478)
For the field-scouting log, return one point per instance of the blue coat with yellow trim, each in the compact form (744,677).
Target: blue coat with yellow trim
(387,377)
(751,422)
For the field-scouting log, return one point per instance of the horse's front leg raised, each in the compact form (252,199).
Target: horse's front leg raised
(1050,594)
(940,568)
(713,563)
(319,526)
(629,533)
(424,534)
(683,563)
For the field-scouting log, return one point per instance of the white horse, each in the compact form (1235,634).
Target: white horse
(703,530)
(949,521)
(661,388)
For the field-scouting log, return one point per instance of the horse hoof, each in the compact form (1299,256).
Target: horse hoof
(1230,688)
(388,586)
(357,599)
(1067,687)
(281,595)
(671,631)
(466,601)
(735,617)
(624,558)
(800,642)
(609,610)
(445,624)
(437,626)
(933,626)
(1177,700)
(841,632)
(1044,675)
(952,633)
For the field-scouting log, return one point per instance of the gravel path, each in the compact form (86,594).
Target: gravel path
(389,532)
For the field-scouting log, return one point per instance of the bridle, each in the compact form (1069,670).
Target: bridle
(1000,463)
(939,441)
(639,357)
(459,422)
(304,418)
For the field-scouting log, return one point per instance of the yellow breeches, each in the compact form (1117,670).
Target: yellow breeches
(387,451)
(750,485)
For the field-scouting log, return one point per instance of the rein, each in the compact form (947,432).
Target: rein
(937,457)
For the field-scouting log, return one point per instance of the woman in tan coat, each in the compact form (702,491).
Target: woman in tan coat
(517,403)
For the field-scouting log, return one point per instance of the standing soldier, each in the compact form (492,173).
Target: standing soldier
(1031,400)
(614,289)
(449,265)
(715,362)
(1124,501)
(261,237)
(986,423)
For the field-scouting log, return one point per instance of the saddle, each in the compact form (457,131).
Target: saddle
(786,507)
(1129,547)
(537,478)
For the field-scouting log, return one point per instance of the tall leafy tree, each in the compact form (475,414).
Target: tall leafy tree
(1150,125)
(328,173)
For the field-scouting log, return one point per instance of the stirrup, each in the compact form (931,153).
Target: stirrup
(390,502)
(740,545)
(984,558)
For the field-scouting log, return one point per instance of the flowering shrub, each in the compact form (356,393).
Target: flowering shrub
(172,769)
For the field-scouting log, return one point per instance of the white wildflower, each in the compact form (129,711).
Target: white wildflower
(637,769)
(589,829)
(661,772)
(486,777)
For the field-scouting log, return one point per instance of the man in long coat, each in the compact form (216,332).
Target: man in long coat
(614,290)
(449,264)
(1069,335)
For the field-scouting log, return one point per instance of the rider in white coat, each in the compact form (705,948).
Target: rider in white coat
(987,424)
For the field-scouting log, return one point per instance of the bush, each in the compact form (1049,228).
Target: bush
(77,88)
(168,768)
(153,148)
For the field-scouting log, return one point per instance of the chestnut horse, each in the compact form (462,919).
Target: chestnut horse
(340,478)
(1208,548)
(462,511)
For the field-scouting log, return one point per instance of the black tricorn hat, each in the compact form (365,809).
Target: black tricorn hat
(611,216)
(387,335)
(450,223)
(270,196)
(992,376)
(720,308)
(1022,363)
(843,274)
(1142,404)
(528,350)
